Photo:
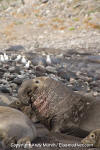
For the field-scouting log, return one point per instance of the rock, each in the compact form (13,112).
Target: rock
(15,48)
(44,1)
(18,81)
(3,81)
(50,69)
(80,85)
(14,69)
(11,77)
(66,74)
(2,71)
(94,59)
(4,89)
(6,75)
(40,71)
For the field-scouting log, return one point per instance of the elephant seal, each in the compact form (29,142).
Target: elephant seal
(92,119)
(93,138)
(16,126)
(55,105)
(26,109)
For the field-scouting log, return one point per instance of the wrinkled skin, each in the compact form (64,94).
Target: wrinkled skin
(56,106)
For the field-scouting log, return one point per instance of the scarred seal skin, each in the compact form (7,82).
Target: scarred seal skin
(16,126)
(55,105)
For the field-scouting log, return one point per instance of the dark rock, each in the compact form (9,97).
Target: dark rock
(56,59)
(94,59)
(80,85)
(40,71)
(61,73)
(44,1)
(18,81)
(15,48)
(95,85)
(66,74)
(11,77)
(2,71)
(14,69)
(4,89)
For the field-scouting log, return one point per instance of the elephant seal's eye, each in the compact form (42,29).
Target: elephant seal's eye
(36,81)
(92,135)
(18,103)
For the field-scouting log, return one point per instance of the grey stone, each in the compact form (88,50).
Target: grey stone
(4,89)
(44,1)
(50,69)
(18,81)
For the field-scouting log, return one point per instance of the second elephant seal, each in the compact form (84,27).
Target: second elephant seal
(15,124)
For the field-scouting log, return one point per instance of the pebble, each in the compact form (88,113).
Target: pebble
(4,89)
(13,73)
(3,81)
(13,86)
(41,69)
(44,1)
(18,81)
(14,69)
(50,69)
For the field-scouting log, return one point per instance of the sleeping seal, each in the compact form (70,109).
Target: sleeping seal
(16,126)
